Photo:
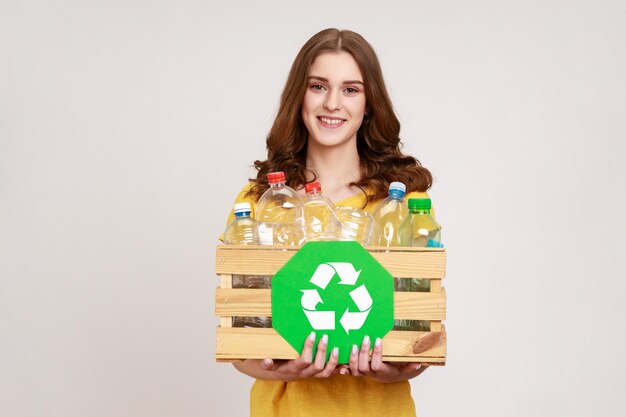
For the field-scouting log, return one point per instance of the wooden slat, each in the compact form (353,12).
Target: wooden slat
(427,360)
(419,305)
(436,288)
(414,264)
(258,302)
(226,282)
(243,343)
(425,263)
(243,302)
(256,260)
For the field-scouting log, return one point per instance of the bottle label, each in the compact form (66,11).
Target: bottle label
(266,234)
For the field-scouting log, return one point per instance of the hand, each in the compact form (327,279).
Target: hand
(304,366)
(378,370)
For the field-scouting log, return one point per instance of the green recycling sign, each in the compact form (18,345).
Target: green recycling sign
(332,288)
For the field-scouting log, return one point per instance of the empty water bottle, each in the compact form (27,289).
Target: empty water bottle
(280,215)
(356,224)
(419,229)
(244,231)
(320,220)
(388,216)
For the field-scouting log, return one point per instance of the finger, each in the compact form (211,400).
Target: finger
(329,369)
(342,369)
(320,357)
(377,365)
(411,370)
(267,364)
(353,361)
(304,360)
(364,357)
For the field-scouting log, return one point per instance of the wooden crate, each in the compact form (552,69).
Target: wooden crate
(236,343)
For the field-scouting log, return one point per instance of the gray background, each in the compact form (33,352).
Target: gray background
(127,128)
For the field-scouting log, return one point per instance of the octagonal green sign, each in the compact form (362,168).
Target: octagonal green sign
(333,288)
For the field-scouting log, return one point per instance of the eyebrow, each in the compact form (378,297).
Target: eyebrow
(315,77)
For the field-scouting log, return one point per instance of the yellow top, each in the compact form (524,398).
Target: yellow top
(339,395)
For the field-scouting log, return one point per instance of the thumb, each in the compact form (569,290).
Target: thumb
(414,366)
(267,364)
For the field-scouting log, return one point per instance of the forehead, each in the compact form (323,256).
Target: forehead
(336,66)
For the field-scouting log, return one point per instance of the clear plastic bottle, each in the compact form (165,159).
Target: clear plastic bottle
(244,231)
(356,224)
(320,220)
(419,229)
(279,213)
(388,217)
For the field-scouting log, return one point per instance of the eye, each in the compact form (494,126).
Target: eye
(317,87)
(351,90)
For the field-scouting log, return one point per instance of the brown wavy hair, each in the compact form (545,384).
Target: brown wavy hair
(378,138)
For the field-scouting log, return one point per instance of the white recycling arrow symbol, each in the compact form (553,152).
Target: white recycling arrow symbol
(325,320)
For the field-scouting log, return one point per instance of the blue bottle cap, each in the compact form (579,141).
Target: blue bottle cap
(397,189)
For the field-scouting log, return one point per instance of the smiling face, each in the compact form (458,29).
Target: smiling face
(334,103)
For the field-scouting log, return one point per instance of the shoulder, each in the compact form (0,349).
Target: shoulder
(244,196)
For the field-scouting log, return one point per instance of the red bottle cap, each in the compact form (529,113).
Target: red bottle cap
(313,186)
(274,177)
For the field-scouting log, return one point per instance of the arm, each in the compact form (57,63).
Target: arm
(300,368)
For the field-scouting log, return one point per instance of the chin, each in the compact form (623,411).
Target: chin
(331,143)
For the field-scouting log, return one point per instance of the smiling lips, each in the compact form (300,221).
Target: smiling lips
(332,122)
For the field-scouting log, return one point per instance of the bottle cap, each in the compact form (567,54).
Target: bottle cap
(275,177)
(419,203)
(313,186)
(396,185)
(242,208)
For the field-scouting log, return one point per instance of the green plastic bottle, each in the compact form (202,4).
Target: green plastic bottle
(419,229)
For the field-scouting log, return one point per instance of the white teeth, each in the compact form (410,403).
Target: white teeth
(331,121)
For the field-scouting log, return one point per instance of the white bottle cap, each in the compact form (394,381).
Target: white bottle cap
(242,207)
(397,186)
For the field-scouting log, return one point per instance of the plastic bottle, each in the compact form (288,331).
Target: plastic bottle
(279,213)
(388,217)
(356,224)
(419,229)
(320,220)
(244,231)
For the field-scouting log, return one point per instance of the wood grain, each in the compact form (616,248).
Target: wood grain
(257,302)
(226,282)
(398,346)
(425,263)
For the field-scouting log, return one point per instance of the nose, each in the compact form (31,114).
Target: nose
(332,101)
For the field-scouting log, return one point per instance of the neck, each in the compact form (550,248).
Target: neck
(336,168)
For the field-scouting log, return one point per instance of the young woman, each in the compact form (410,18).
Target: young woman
(336,125)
